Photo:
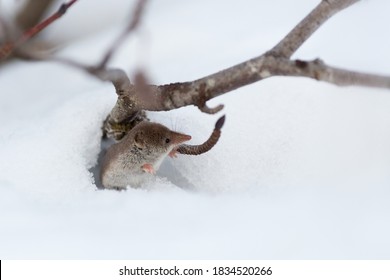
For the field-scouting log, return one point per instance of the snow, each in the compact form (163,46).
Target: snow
(302,170)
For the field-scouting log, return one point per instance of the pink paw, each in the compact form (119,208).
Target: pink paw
(173,153)
(147,167)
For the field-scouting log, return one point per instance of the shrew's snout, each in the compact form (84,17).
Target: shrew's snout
(178,138)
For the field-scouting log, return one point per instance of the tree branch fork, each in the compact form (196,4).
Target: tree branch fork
(275,62)
(137,96)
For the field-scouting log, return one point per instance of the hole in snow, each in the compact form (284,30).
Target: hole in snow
(167,170)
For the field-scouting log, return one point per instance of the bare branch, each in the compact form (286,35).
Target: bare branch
(201,102)
(211,110)
(176,95)
(326,9)
(133,99)
(8,48)
(172,96)
(135,19)
(318,70)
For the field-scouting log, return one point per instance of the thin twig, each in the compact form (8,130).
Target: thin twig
(135,19)
(8,48)
(300,33)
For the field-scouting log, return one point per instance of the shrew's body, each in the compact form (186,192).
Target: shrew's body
(140,152)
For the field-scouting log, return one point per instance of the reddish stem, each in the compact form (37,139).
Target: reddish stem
(8,48)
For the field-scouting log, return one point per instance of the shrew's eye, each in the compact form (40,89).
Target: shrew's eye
(167,140)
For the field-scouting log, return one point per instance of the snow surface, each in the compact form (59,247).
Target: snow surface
(302,170)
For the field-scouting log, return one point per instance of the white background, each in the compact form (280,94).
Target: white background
(280,270)
(302,170)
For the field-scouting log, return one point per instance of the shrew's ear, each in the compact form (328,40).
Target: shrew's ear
(139,139)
